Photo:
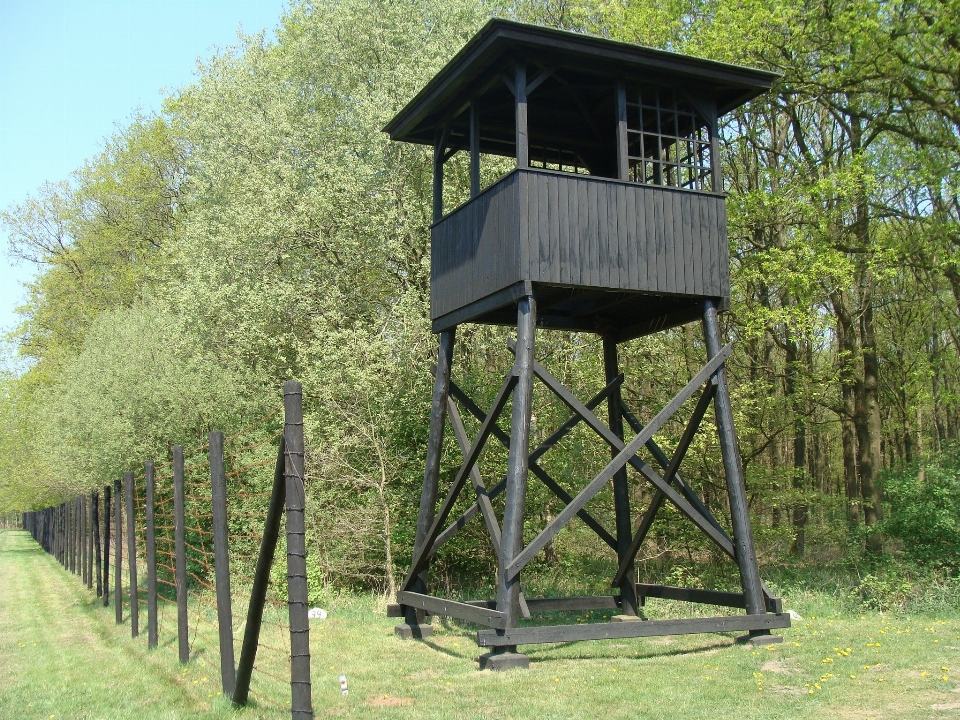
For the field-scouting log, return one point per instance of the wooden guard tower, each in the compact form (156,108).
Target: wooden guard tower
(613,222)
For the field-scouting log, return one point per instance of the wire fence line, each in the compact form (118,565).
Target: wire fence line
(200,531)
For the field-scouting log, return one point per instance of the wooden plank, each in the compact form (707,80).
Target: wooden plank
(623,262)
(681,227)
(610,249)
(724,260)
(672,244)
(523,219)
(548,220)
(591,602)
(576,231)
(533,239)
(478,444)
(640,628)
(483,500)
(563,221)
(711,257)
(459,610)
(625,455)
(494,301)
(664,283)
(630,243)
(650,238)
(696,243)
(593,259)
(706,597)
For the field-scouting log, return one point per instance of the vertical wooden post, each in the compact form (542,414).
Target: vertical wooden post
(152,631)
(71,535)
(739,511)
(261,580)
(623,141)
(716,178)
(511,538)
(520,99)
(474,149)
(414,625)
(97,558)
(180,549)
(621,489)
(301,704)
(221,560)
(89,515)
(106,546)
(82,537)
(118,552)
(439,146)
(133,590)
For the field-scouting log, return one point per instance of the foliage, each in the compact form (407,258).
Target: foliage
(924,509)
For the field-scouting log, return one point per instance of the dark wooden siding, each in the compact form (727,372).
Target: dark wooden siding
(474,249)
(577,231)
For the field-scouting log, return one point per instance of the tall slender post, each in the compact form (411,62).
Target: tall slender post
(106,546)
(221,559)
(621,488)
(97,559)
(736,491)
(301,704)
(72,534)
(89,515)
(151,539)
(474,149)
(134,590)
(623,152)
(261,579)
(414,625)
(180,548)
(82,502)
(511,539)
(118,552)
(520,98)
(439,146)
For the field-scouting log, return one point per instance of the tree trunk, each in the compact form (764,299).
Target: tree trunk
(846,360)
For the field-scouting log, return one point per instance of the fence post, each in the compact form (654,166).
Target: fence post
(180,549)
(118,555)
(151,558)
(221,563)
(71,540)
(261,580)
(132,556)
(95,539)
(301,705)
(89,503)
(106,546)
(82,504)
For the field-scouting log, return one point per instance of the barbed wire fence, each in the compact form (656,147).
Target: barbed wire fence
(202,529)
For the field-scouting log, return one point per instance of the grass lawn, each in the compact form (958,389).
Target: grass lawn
(61,655)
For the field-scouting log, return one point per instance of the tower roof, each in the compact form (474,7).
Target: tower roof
(479,64)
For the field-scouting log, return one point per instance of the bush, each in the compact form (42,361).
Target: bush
(922,504)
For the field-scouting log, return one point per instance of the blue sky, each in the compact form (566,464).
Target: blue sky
(71,70)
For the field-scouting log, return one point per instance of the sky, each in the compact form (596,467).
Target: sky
(72,70)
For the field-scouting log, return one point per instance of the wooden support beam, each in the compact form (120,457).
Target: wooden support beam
(467,515)
(474,149)
(459,610)
(545,73)
(626,562)
(706,597)
(543,447)
(520,97)
(661,457)
(483,499)
(421,555)
(644,628)
(539,605)
(625,454)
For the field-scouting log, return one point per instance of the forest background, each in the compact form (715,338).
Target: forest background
(262,227)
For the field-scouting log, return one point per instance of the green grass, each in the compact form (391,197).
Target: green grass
(62,655)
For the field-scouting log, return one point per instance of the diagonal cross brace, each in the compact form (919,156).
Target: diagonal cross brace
(483,498)
(661,457)
(625,454)
(668,477)
(489,422)
(542,449)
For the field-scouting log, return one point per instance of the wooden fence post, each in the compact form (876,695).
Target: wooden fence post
(152,633)
(118,541)
(132,556)
(261,580)
(221,559)
(180,549)
(106,546)
(97,559)
(82,504)
(301,705)
(89,501)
